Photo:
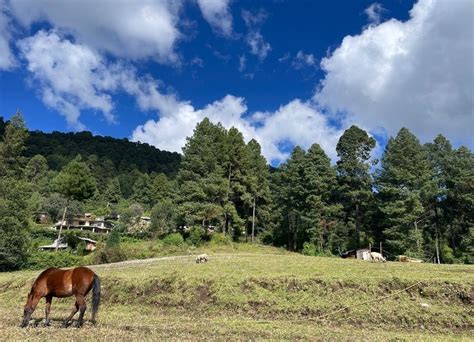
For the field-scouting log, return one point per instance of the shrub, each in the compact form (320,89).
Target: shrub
(311,249)
(106,254)
(46,259)
(219,239)
(174,239)
(196,236)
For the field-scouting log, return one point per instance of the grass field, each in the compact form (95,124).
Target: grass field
(260,293)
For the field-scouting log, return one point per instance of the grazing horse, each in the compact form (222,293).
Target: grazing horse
(55,282)
(377,257)
(201,258)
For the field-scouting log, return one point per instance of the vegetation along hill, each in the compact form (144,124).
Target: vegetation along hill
(59,148)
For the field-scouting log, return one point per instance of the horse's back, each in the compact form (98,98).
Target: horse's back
(64,283)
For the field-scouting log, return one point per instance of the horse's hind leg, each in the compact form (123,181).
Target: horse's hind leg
(47,309)
(73,312)
(82,307)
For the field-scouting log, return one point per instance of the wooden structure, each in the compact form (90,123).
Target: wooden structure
(86,222)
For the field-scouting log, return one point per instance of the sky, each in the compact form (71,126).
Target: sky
(283,72)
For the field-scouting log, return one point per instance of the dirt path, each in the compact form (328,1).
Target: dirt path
(175,257)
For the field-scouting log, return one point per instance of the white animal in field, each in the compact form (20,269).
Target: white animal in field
(201,258)
(377,257)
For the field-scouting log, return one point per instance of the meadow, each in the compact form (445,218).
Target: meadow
(259,293)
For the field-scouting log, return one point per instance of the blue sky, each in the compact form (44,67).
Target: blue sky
(283,72)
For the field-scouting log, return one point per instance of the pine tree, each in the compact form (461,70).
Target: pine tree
(320,179)
(12,147)
(14,194)
(75,182)
(113,194)
(403,188)
(257,198)
(355,183)
(202,181)
(290,190)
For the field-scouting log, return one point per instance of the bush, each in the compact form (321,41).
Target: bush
(219,239)
(174,239)
(46,259)
(196,236)
(106,254)
(310,249)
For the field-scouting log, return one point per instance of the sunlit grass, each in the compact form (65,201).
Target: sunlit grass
(248,292)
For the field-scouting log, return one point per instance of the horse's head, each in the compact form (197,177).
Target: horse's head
(27,310)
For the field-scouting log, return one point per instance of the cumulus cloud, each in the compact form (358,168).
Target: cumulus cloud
(374,13)
(303,60)
(129,29)
(7,60)
(418,74)
(71,77)
(296,123)
(254,39)
(217,14)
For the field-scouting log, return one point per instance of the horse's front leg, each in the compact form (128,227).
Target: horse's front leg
(29,309)
(47,309)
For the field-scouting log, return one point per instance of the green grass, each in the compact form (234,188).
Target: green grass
(249,292)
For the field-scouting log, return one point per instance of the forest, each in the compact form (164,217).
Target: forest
(417,200)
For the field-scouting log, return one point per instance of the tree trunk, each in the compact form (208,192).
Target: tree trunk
(437,247)
(253,220)
(418,247)
(58,241)
(226,217)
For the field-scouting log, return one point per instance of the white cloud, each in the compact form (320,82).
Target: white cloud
(296,123)
(7,60)
(418,74)
(374,13)
(254,39)
(303,60)
(130,29)
(73,77)
(217,14)
(242,63)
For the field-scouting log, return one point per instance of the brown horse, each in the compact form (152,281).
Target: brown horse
(55,282)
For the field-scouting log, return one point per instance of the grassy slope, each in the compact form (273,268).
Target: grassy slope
(261,293)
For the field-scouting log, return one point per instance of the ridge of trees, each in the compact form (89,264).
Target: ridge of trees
(59,148)
(418,201)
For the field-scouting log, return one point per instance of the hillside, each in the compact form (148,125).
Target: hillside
(272,295)
(59,148)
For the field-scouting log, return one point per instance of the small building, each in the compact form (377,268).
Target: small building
(59,245)
(42,218)
(90,244)
(362,254)
(86,222)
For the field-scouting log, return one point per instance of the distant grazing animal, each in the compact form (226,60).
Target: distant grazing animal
(55,282)
(377,257)
(201,258)
(404,258)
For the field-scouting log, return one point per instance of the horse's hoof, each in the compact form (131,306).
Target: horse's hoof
(77,324)
(65,324)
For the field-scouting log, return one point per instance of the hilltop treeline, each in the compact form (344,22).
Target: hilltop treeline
(418,199)
(60,148)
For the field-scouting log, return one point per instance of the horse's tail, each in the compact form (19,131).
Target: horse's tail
(95,296)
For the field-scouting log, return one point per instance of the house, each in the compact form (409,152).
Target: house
(42,218)
(90,245)
(52,246)
(362,254)
(86,222)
